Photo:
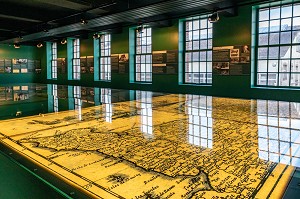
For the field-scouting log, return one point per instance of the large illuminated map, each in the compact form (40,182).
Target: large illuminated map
(184,152)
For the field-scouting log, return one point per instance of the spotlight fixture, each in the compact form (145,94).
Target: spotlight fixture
(140,29)
(45,30)
(39,45)
(17,45)
(83,21)
(96,36)
(20,37)
(213,18)
(63,41)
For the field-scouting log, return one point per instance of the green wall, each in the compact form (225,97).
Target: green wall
(228,31)
(25,52)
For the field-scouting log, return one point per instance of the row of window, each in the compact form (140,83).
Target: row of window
(198,57)
(277,50)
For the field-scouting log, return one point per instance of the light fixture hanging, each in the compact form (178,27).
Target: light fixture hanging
(140,29)
(213,18)
(63,41)
(83,21)
(39,45)
(17,45)
(96,36)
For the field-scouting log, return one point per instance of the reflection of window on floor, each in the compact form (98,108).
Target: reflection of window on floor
(77,101)
(55,98)
(144,102)
(199,110)
(106,103)
(279,131)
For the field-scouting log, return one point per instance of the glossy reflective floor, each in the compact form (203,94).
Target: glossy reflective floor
(139,144)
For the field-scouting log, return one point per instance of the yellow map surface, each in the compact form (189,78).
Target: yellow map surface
(185,151)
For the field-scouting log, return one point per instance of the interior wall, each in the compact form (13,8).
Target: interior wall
(25,52)
(228,31)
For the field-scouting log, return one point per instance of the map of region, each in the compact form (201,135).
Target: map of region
(182,153)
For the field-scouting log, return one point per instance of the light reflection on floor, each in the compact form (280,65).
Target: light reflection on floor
(163,145)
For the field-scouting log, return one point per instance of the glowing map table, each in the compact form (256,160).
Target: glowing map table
(168,146)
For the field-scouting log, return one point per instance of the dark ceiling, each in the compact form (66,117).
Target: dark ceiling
(32,21)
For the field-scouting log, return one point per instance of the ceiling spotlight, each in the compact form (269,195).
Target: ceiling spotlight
(45,30)
(96,36)
(17,45)
(39,45)
(63,41)
(140,29)
(83,21)
(213,18)
(20,37)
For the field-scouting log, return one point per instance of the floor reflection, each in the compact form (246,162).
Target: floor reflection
(279,131)
(199,110)
(141,144)
(144,102)
(107,105)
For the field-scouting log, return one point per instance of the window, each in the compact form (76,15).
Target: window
(278,46)
(54,60)
(199,110)
(105,59)
(144,102)
(279,131)
(76,59)
(198,51)
(143,57)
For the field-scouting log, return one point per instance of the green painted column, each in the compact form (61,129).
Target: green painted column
(48,60)
(131,54)
(70,58)
(96,59)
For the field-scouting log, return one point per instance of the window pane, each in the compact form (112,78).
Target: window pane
(262,66)
(263,27)
(286,24)
(261,78)
(262,53)
(295,79)
(272,79)
(273,66)
(274,38)
(274,25)
(285,38)
(296,11)
(263,39)
(296,23)
(296,51)
(284,79)
(286,11)
(273,52)
(275,13)
(264,15)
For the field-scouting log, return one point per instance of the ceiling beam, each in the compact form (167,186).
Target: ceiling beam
(20,18)
(66,4)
